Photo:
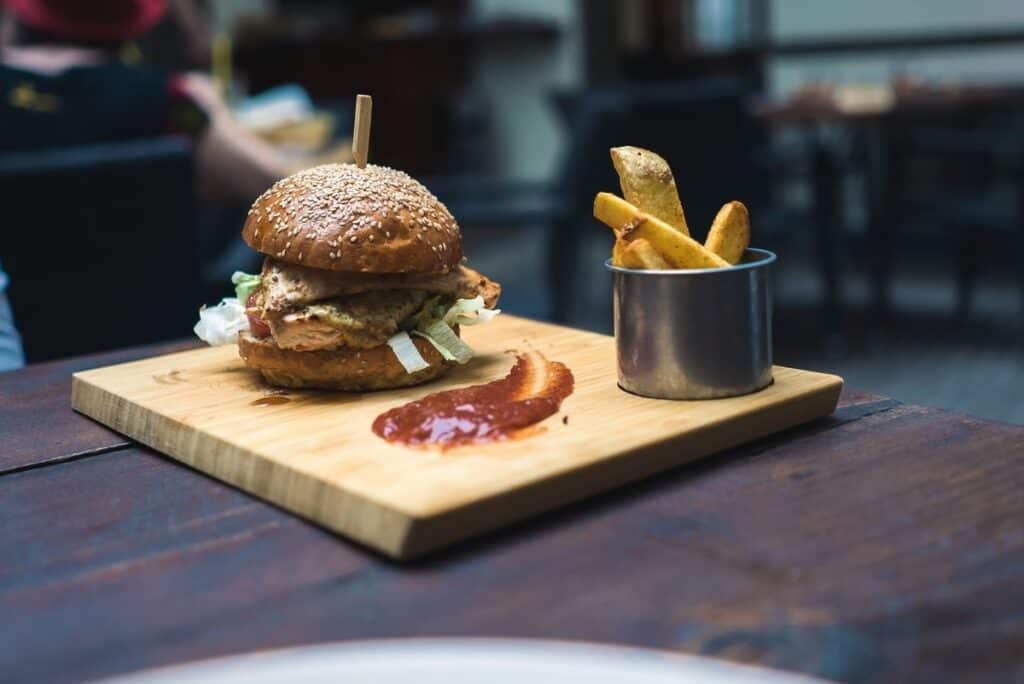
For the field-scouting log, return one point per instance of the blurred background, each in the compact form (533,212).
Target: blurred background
(877,144)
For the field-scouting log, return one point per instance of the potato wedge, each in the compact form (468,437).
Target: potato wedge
(680,251)
(730,232)
(618,253)
(640,254)
(647,183)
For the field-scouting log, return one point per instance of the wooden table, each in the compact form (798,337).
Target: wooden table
(885,543)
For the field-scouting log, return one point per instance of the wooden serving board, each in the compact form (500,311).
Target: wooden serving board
(315,454)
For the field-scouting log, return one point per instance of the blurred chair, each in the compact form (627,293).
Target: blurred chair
(965,183)
(100,245)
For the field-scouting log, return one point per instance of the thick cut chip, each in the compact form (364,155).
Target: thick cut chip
(647,183)
(618,250)
(628,222)
(640,254)
(730,233)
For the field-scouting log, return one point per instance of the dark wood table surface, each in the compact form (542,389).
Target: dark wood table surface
(884,543)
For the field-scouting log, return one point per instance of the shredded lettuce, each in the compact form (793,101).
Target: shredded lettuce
(438,329)
(244,284)
(432,309)
(460,312)
(221,324)
(446,341)
(445,354)
(407,353)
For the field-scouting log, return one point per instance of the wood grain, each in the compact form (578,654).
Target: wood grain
(316,455)
(883,543)
(36,425)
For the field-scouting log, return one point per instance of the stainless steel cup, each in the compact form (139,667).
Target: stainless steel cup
(694,334)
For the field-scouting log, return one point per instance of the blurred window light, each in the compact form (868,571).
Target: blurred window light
(721,25)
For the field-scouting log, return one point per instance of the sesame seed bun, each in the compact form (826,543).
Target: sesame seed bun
(352,370)
(343,218)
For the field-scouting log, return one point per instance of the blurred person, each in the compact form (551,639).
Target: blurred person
(64,81)
(182,40)
(11,354)
(68,78)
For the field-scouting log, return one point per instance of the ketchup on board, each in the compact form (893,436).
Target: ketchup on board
(533,390)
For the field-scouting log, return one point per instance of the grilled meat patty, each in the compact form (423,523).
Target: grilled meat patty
(309,309)
(287,286)
(360,321)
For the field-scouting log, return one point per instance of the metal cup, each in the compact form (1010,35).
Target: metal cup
(694,334)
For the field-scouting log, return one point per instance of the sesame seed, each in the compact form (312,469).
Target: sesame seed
(332,198)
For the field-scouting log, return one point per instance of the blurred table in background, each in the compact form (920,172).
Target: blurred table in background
(882,119)
(822,103)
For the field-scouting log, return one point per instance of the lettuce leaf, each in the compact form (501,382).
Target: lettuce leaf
(445,354)
(438,329)
(244,284)
(221,324)
(446,342)
(460,313)
(407,353)
(431,310)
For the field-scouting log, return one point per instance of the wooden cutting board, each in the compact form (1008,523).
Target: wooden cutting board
(315,454)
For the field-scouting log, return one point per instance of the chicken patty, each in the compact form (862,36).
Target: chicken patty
(360,321)
(286,286)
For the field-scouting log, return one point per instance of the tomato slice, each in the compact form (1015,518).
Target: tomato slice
(258,328)
(256,325)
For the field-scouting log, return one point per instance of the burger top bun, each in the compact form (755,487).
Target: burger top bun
(342,218)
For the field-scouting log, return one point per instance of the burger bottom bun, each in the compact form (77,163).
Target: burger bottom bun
(352,370)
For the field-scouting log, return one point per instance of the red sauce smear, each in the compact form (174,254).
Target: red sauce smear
(533,390)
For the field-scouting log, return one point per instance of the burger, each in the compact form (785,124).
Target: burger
(363,286)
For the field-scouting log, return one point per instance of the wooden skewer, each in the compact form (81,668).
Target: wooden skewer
(220,61)
(361,129)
